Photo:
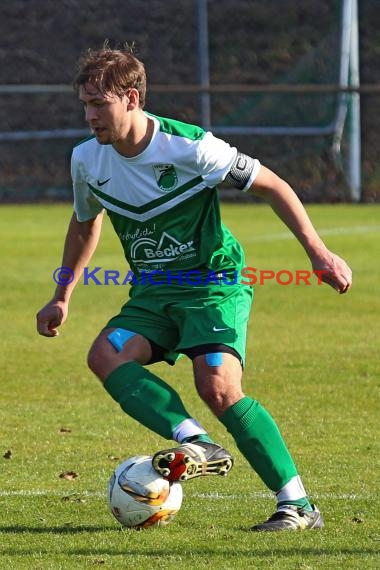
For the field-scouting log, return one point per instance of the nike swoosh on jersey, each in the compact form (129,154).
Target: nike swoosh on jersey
(103,182)
(218,330)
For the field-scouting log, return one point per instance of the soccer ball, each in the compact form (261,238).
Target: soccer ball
(139,498)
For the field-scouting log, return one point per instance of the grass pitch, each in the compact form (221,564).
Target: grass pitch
(313,361)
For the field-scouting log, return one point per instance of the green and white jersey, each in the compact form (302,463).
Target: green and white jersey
(163,203)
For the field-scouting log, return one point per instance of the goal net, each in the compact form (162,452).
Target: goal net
(312,136)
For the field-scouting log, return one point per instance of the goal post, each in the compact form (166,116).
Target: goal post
(341,123)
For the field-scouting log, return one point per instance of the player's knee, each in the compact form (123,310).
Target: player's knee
(212,396)
(218,380)
(99,358)
(94,360)
(218,393)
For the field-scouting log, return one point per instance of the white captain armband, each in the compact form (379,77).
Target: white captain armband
(242,172)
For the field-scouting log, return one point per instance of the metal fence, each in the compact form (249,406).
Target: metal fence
(207,100)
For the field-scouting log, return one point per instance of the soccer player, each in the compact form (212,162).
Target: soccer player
(157,180)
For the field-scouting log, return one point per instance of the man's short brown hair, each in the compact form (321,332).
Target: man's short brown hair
(112,71)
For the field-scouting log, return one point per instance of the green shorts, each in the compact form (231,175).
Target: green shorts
(177,317)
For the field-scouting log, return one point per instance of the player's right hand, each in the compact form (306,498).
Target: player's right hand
(50,317)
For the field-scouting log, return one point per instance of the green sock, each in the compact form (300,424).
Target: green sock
(146,398)
(299,503)
(200,437)
(260,441)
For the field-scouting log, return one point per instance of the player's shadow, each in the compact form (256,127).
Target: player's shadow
(254,554)
(204,551)
(66,529)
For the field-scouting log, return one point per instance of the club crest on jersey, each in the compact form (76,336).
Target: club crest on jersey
(166,176)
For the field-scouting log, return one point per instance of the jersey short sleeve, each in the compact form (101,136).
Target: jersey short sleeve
(86,206)
(218,159)
(215,158)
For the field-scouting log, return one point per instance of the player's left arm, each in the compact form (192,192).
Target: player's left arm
(286,204)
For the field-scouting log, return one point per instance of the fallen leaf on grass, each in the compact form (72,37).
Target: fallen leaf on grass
(73,499)
(64,430)
(68,475)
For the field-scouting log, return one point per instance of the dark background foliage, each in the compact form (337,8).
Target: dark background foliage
(251,42)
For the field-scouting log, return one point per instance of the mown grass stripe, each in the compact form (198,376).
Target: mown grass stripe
(209,496)
(322,232)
